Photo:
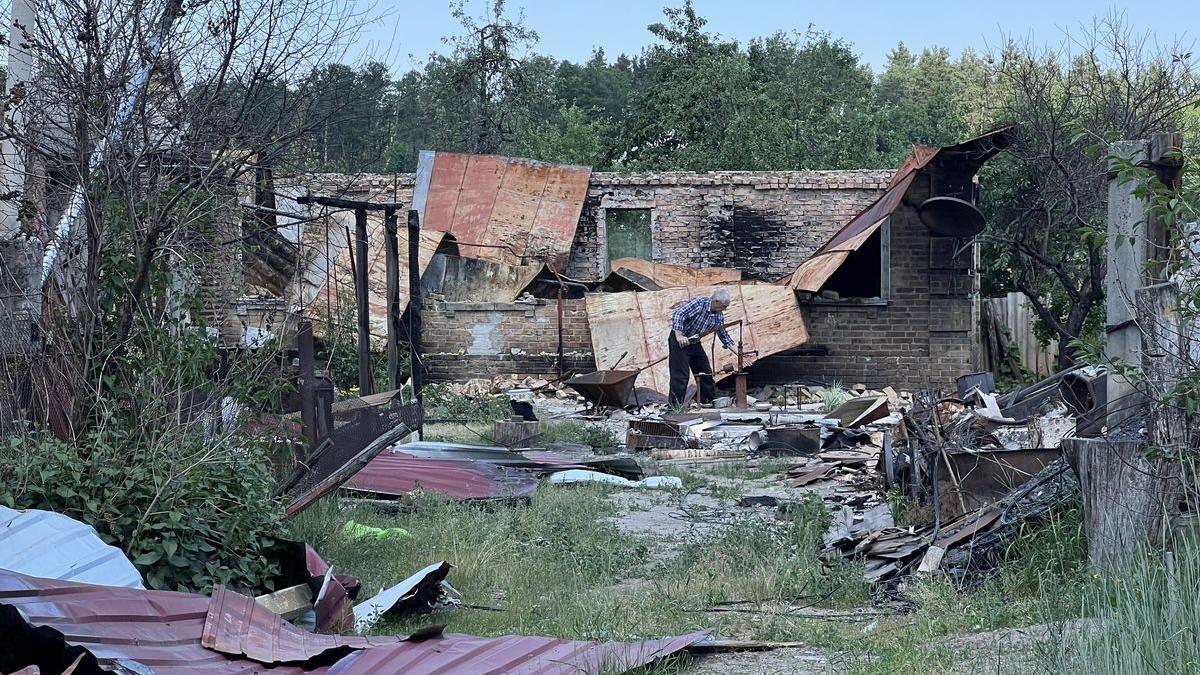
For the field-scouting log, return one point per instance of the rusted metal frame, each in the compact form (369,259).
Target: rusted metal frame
(308,386)
(416,368)
(362,300)
(391,241)
(352,466)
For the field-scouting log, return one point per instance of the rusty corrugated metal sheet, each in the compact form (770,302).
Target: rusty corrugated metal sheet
(160,630)
(632,328)
(667,275)
(399,473)
(812,274)
(54,546)
(469,655)
(515,210)
(238,626)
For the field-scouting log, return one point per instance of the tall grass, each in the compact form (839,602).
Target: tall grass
(1144,620)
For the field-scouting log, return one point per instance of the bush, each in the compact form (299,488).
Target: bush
(190,514)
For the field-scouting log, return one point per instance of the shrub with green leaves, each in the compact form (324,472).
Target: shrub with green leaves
(190,514)
(156,458)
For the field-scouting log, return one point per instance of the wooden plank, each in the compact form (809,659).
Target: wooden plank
(667,275)
(639,323)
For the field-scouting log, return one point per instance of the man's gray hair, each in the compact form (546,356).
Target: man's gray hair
(721,295)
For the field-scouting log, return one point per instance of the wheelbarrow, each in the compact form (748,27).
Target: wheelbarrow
(609,387)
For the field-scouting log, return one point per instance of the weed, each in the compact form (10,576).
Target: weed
(1145,618)
(751,470)
(443,403)
(598,436)
(833,397)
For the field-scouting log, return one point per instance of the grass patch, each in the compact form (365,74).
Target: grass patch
(600,437)
(1144,619)
(559,566)
(753,469)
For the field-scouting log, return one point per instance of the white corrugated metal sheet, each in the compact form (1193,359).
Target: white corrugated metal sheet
(53,546)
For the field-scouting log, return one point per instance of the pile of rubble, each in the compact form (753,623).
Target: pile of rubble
(974,464)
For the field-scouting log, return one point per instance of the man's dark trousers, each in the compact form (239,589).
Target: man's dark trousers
(686,360)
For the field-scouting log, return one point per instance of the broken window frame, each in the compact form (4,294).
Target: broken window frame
(602,226)
(885,276)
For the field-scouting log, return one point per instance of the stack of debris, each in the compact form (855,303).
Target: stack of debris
(71,604)
(983,463)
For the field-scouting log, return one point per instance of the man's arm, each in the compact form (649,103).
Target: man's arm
(724,335)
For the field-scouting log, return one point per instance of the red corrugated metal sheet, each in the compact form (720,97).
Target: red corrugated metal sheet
(157,629)
(164,632)
(469,655)
(398,473)
(239,626)
(516,210)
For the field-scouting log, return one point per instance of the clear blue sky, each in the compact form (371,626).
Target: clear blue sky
(570,29)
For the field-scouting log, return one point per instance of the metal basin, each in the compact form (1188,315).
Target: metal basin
(605,387)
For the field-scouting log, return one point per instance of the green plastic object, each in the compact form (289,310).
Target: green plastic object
(354,530)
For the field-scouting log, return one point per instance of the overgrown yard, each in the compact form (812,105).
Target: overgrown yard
(590,561)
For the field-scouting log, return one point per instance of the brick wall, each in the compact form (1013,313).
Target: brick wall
(463,340)
(764,223)
(925,336)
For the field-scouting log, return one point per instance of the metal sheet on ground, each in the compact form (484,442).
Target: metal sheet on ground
(53,546)
(398,473)
(637,325)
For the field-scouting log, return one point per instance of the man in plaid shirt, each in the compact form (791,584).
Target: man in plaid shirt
(694,318)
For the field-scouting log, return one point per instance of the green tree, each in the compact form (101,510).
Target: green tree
(572,137)
(1046,199)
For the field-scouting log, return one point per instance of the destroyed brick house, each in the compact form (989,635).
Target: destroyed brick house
(850,276)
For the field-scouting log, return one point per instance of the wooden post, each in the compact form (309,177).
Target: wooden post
(393,298)
(362,300)
(308,386)
(414,303)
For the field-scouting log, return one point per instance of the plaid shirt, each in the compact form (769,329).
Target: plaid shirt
(695,317)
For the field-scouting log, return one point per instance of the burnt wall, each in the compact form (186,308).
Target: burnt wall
(764,223)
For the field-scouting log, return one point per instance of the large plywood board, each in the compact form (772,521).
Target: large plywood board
(633,327)
(667,275)
(512,211)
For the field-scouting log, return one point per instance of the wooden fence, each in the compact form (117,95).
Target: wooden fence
(1013,317)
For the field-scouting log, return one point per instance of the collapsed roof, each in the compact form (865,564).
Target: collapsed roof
(969,155)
